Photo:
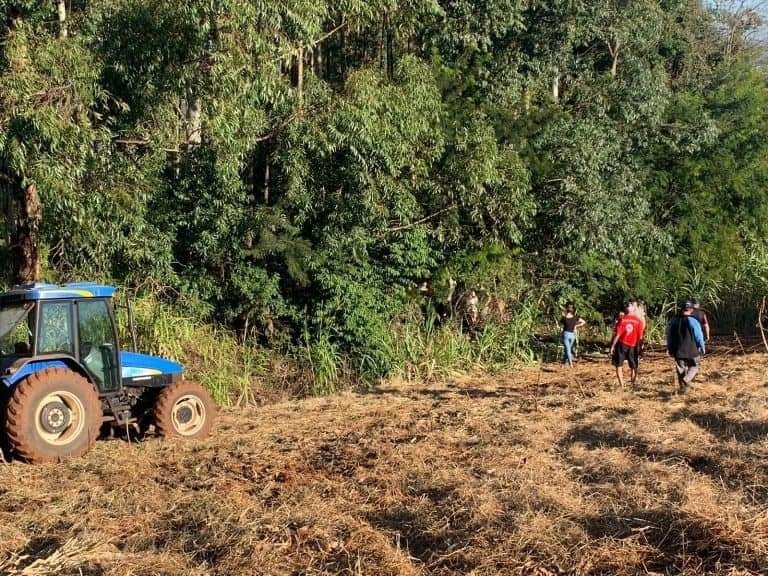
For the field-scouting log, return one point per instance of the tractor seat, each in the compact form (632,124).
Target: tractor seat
(21,348)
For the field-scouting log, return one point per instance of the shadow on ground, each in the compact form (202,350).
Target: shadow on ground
(726,428)
(737,469)
(430,526)
(680,541)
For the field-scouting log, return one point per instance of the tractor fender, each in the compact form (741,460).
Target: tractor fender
(23,367)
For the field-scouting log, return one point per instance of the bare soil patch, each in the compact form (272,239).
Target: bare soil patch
(539,471)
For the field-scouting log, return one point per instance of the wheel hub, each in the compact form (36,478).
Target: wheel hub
(55,417)
(184,414)
(188,415)
(60,418)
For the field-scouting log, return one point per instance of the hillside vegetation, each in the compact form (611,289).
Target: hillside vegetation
(288,173)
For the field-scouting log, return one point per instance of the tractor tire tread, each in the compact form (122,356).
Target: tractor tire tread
(162,411)
(19,442)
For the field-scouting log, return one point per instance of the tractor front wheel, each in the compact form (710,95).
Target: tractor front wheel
(184,410)
(52,415)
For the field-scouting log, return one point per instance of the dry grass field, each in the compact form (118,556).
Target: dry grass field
(541,471)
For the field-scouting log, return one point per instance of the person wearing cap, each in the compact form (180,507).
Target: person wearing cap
(627,336)
(685,343)
(701,316)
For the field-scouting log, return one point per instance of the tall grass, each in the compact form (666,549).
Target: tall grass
(324,361)
(656,324)
(427,354)
(211,355)
(741,298)
(432,354)
(697,284)
(232,370)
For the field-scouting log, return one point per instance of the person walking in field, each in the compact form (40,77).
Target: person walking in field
(616,322)
(685,343)
(570,322)
(639,311)
(627,336)
(700,314)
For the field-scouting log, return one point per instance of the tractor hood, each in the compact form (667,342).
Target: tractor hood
(135,365)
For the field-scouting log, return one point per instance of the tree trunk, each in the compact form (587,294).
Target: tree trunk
(614,50)
(266,180)
(193,119)
(390,51)
(62,8)
(21,205)
(730,43)
(25,238)
(381,48)
(317,60)
(23,210)
(556,86)
(300,76)
(343,49)
(6,193)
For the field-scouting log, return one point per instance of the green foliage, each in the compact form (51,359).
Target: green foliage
(211,355)
(432,354)
(324,362)
(299,168)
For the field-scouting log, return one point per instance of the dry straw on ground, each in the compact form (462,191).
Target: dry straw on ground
(542,471)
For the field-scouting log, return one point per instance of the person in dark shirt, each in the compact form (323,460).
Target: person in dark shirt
(701,316)
(570,323)
(685,343)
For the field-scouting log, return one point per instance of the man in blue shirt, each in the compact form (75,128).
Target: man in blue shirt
(685,343)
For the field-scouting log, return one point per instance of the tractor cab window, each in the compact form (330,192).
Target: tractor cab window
(15,330)
(98,349)
(55,334)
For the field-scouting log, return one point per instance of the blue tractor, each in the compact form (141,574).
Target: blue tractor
(64,376)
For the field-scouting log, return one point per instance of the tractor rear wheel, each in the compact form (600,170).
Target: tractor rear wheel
(52,415)
(184,410)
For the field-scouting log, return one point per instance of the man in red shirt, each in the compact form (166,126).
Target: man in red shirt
(627,336)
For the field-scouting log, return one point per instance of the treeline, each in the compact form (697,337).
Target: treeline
(299,168)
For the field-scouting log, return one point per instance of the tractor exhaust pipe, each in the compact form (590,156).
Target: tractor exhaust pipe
(131,323)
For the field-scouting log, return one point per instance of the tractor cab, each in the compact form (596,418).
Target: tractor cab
(63,375)
(73,324)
